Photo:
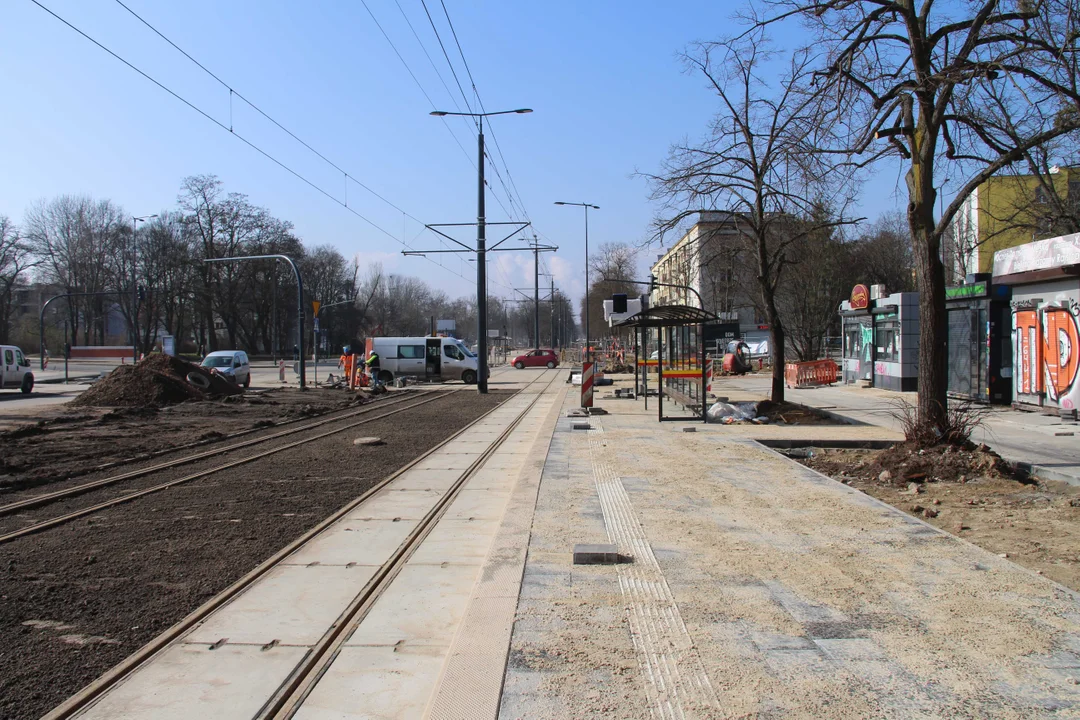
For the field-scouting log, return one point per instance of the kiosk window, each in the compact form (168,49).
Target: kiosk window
(886,342)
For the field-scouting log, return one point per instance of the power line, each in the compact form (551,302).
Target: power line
(446,55)
(480,102)
(233,91)
(428,97)
(237,135)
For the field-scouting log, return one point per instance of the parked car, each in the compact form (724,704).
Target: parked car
(15,369)
(233,364)
(537,358)
(444,358)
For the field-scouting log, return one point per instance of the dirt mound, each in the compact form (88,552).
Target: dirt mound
(619,368)
(157,381)
(904,463)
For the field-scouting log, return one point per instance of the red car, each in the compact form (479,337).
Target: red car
(537,358)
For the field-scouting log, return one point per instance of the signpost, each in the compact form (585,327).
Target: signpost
(315,340)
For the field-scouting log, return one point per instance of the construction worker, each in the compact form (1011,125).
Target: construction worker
(373,367)
(346,363)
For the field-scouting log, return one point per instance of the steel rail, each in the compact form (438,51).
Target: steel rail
(55,496)
(75,514)
(82,699)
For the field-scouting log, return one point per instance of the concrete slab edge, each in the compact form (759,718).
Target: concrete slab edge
(787,443)
(454,696)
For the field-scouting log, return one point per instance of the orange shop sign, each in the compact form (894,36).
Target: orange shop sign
(860,297)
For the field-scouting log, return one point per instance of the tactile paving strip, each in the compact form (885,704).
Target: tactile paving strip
(676,681)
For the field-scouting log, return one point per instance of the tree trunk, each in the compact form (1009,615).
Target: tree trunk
(930,281)
(776,340)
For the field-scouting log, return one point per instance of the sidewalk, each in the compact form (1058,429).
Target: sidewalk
(760,588)
(1041,444)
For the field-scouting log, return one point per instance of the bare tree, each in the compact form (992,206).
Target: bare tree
(15,260)
(168,272)
(612,267)
(79,241)
(968,86)
(758,163)
(811,292)
(881,254)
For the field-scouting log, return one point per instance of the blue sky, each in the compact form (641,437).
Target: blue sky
(604,80)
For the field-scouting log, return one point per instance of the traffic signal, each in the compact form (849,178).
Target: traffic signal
(652,283)
(142,294)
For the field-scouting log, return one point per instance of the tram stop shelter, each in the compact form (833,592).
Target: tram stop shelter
(679,342)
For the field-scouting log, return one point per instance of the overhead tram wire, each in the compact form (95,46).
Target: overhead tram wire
(446,55)
(291,134)
(240,137)
(480,102)
(428,98)
(259,110)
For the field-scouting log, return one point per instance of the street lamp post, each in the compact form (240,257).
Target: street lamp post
(588,338)
(135,286)
(481,243)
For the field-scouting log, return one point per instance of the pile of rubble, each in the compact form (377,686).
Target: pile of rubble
(157,381)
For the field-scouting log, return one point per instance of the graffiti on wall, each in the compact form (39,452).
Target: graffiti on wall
(1047,352)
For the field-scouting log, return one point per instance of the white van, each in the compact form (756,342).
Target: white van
(432,358)
(15,369)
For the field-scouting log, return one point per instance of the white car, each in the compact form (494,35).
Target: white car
(233,364)
(15,369)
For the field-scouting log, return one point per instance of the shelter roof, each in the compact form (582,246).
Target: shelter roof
(667,316)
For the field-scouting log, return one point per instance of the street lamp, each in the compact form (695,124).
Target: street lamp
(588,340)
(135,286)
(481,243)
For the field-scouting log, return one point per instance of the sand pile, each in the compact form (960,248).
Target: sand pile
(157,381)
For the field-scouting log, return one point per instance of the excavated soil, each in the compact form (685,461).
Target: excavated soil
(71,441)
(973,493)
(77,599)
(157,381)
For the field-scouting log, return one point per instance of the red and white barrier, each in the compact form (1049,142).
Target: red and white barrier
(586,384)
(708,374)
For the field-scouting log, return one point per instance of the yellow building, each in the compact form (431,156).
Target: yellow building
(1006,211)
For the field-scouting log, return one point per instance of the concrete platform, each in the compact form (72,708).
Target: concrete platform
(763,589)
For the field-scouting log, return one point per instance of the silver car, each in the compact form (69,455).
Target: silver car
(233,364)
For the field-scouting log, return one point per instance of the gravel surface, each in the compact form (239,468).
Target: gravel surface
(78,599)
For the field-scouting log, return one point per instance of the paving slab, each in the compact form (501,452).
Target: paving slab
(763,589)
(193,681)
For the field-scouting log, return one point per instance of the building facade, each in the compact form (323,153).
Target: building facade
(710,258)
(1006,211)
(1044,278)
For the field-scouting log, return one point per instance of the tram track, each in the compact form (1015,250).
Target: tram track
(292,693)
(86,488)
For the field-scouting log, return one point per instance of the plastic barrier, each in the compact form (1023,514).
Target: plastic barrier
(815,373)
